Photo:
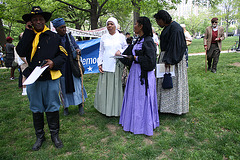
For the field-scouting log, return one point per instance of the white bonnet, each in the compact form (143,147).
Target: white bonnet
(183,25)
(114,20)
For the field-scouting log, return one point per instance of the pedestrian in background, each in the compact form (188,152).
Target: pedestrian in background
(156,40)
(188,38)
(9,59)
(1,57)
(22,62)
(213,38)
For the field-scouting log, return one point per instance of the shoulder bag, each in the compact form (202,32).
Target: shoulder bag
(167,80)
(74,62)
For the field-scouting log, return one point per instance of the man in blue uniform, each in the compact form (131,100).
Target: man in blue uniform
(39,45)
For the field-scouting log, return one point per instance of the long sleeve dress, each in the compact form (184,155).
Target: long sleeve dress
(109,92)
(70,85)
(173,47)
(140,110)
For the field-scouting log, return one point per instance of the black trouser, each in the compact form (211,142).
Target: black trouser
(213,56)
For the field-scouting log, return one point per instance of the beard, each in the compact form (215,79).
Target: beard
(214,25)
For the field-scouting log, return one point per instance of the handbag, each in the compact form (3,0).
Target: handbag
(167,80)
(74,62)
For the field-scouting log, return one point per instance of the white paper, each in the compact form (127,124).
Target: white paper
(34,75)
(121,56)
(160,70)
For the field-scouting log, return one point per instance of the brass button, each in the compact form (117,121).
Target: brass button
(39,61)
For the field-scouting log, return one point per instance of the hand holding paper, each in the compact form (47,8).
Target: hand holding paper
(34,75)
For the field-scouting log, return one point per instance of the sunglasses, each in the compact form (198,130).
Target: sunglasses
(214,22)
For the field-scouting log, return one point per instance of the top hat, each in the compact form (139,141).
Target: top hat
(36,10)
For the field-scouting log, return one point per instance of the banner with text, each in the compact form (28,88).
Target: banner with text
(75,32)
(90,52)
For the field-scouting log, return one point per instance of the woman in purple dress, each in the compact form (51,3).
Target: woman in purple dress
(139,113)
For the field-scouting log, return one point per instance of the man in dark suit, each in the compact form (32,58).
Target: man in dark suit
(213,38)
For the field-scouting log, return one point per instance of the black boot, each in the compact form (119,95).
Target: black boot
(53,124)
(38,122)
(80,108)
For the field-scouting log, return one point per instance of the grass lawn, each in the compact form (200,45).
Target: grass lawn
(211,130)
(197,44)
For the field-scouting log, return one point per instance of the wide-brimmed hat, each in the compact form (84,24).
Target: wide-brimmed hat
(36,10)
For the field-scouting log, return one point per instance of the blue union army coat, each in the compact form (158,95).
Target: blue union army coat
(49,47)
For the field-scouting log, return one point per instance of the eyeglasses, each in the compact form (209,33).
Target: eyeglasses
(214,22)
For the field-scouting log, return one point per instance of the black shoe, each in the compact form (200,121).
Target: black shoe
(38,143)
(80,108)
(65,112)
(209,68)
(213,71)
(57,142)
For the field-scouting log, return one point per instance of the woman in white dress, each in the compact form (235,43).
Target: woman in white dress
(109,92)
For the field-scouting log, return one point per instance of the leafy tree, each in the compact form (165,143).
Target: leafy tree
(95,9)
(230,12)
(2,33)
(196,24)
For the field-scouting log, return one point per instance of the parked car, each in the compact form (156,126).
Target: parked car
(198,37)
(230,34)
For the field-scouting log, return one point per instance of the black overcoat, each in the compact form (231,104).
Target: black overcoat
(48,48)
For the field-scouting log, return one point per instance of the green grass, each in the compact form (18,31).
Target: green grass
(197,44)
(209,131)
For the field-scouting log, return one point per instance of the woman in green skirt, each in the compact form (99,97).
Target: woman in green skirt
(109,92)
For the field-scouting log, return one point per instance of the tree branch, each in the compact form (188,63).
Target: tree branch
(89,2)
(100,8)
(85,10)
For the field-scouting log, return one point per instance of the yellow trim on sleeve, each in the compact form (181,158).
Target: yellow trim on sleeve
(63,50)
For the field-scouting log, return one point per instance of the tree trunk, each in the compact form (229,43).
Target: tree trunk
(136,15)
(77,26)
(94,15)
(226,31)
(136,11)
(2,34)
(94,21)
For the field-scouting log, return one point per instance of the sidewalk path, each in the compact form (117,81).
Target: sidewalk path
(189,54)
(203,53)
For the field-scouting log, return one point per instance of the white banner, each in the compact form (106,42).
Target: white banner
(75,32)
